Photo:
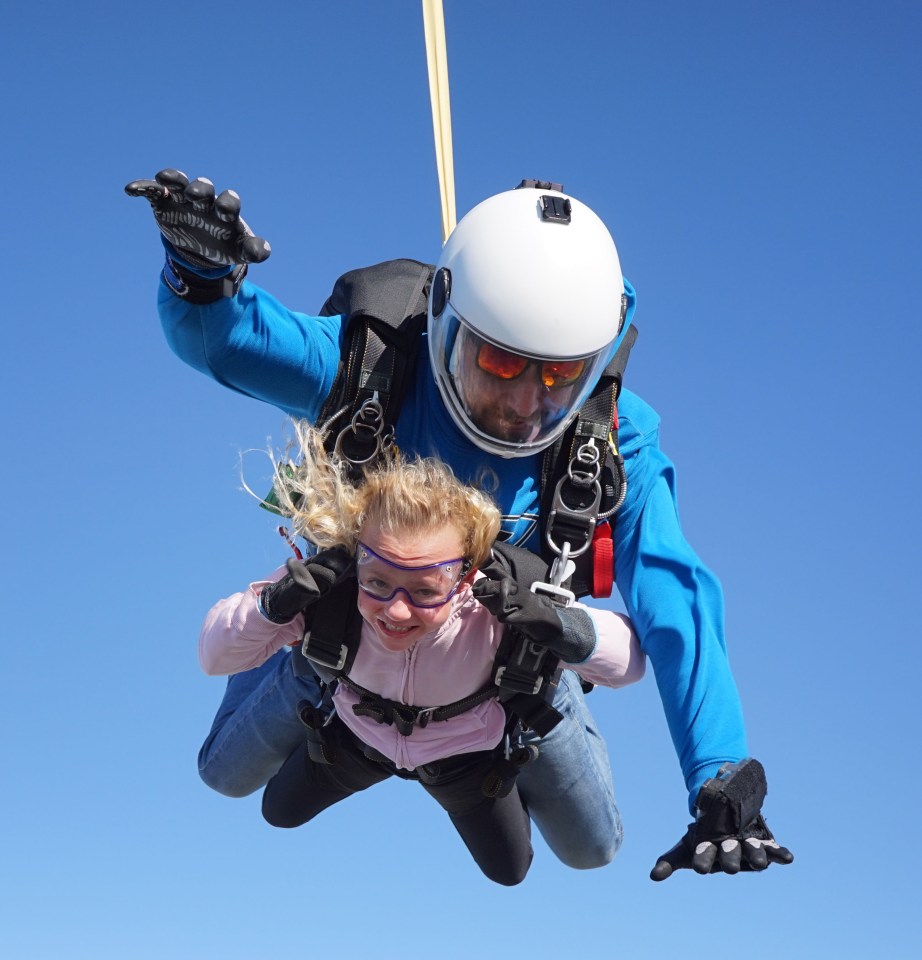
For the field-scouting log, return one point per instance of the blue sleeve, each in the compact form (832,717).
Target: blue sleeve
(676,605)
(256,346)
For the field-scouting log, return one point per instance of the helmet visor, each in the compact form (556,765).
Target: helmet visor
(508,402)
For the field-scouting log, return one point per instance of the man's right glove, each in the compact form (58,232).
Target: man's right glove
(568,632)
(729,833)
(305,583)
(208,243)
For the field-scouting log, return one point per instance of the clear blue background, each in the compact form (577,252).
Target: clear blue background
(758,164)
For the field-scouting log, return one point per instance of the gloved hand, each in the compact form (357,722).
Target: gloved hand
(729,833)
(566,631)
(305,583)
(206,231)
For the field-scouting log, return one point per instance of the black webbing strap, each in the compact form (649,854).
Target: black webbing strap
(405,717)
(385,307)
(531,711)
(534,713)
(332,633)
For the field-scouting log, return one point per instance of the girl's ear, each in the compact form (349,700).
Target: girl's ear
(468,578)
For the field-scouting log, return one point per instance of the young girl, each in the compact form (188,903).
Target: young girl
(413,537)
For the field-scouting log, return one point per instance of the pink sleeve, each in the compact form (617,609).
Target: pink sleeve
(236,636)
(617,659)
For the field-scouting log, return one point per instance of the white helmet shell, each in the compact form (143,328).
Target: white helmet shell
(534,272)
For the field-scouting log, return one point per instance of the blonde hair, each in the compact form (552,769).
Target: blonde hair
(403,496)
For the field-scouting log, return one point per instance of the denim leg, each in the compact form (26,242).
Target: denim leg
(568,789)
(256,727)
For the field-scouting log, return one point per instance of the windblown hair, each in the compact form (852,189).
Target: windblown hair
(403,496)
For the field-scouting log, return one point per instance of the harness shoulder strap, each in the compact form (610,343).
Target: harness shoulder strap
(583,482)
(525,672)
(333,631)
(385,308)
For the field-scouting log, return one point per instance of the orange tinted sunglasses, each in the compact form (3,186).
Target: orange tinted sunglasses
(507,366)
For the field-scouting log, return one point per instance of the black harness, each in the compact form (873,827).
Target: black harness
(523,676)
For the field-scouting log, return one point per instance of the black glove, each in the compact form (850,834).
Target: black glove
(567,632)
(305,583)
(205,230)
(729,833)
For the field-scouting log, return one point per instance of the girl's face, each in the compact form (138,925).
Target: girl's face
(398,623)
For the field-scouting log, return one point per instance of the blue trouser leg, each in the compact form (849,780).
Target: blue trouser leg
(256,727)
(568,789)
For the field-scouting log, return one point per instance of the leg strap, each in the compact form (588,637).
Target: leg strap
(320,746)
(510,756)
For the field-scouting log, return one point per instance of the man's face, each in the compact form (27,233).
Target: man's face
(513,409)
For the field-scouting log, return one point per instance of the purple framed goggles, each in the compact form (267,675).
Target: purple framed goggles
(431,585)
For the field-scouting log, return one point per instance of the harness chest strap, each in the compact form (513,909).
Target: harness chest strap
(404,716)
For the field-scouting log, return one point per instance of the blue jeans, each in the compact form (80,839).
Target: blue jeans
(568,789)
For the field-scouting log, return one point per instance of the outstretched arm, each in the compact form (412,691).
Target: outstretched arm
(676,605)
(228,329)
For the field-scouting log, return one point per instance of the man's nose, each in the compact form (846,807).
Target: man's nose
(526,393)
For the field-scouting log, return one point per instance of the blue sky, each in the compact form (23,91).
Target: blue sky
(758,164)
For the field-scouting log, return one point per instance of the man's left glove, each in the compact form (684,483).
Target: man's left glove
(567,632)
(729,833)
(305,583)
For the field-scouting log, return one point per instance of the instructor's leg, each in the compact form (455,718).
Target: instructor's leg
(568,790)
(256,727)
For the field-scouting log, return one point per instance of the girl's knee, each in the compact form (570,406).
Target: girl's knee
(279,813)
(509,873)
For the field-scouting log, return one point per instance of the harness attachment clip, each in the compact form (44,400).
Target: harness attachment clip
(572,519)
(365,438)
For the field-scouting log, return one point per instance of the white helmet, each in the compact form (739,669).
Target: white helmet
(527,307)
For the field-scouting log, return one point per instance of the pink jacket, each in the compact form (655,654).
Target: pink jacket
(441,667)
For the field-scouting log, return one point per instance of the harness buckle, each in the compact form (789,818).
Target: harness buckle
(519,684)
(326,658)
(558,595)
(424,715)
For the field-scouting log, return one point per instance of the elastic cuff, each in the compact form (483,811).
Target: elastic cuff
(261,607)
(579,636)
(195,288)
(264,605)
